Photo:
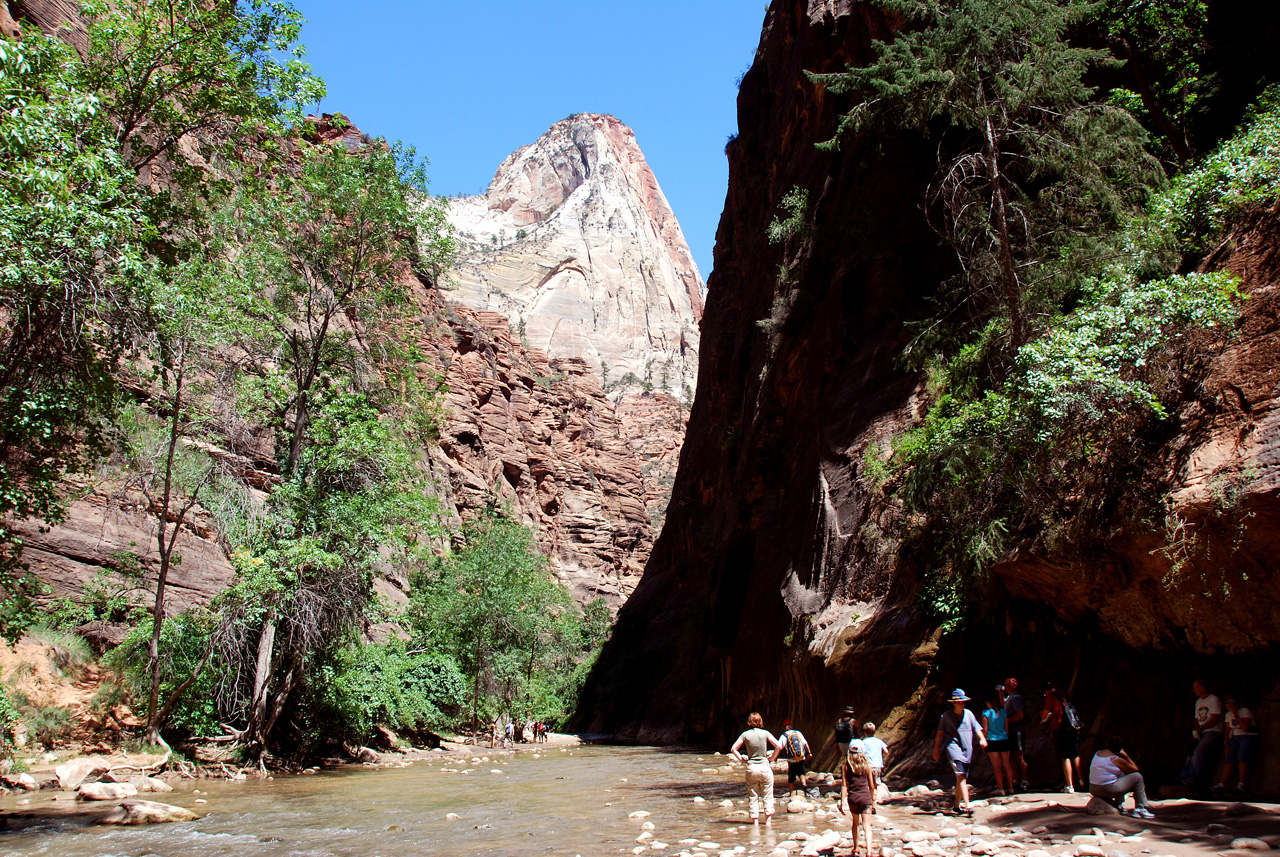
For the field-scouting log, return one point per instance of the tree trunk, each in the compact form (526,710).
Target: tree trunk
(1012,288)
(254,733)
(164,542)
(282,696)
(1176,135)
(301,419)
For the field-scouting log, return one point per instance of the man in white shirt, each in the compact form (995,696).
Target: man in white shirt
(1207,736)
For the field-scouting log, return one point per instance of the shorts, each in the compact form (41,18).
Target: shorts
(960,767)
(795,770)
(1066,743)
(857,807)
(1004,745)
(1242,748)
(1017,740)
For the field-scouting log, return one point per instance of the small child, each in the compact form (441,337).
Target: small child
(874,749)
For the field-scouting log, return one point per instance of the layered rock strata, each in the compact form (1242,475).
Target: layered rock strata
(575,243)
(772,586)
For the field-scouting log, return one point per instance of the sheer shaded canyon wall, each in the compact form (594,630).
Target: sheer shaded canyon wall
(770,587)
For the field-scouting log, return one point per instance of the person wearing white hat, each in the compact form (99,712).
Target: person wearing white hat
(959,729)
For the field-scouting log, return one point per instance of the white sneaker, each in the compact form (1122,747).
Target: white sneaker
(1070,790)
(1142,812)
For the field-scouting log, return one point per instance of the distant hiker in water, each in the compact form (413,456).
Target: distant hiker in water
(1016,723)
(994,722)
(753,747)
(1242,745)
(1065,724)
(1207,737)
(1112,775)
(844,732)
(874,749)
(958,730)
(858,792)
(795,749)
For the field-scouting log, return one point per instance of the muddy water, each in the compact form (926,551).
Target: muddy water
(570,802)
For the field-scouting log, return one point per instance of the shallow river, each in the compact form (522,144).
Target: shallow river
(568,802)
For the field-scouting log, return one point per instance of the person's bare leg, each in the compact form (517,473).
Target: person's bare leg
(866,827)
(1079,775)
(962,792)
(854,833)
(997,768)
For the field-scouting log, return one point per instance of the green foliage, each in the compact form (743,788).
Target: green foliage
(1166,45)
(110,595)
(798,220)
(9,719)
(383,684)
(184,640)
(495,609)
(48,724)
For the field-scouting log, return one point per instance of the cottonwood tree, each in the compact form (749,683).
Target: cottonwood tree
(328,265)
(1029,164)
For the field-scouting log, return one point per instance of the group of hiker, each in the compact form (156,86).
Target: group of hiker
(1001,730)
(863,757)
(509,734)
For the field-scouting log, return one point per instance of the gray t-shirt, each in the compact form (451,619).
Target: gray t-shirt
(755,744)
(958,731)
(1012,703)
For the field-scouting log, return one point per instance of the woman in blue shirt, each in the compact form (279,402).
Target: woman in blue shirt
(995,724)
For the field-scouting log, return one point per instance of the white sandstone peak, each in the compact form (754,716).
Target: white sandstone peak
(575,243)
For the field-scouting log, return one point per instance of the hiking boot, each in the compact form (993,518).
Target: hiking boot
(1025,786)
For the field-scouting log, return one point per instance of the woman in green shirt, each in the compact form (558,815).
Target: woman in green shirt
(754,748)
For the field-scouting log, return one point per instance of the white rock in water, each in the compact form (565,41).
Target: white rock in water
(146,812)
(699,800)
(658,846)
(640,813)
(726,803)
(73,773)
(709,846)
(825,841)
(106,791)
(150,784)
(1089,851)
(920,836)
(1248,843)
(644,836)
(648,825)
(1037,852)
(799,806)
(981,830)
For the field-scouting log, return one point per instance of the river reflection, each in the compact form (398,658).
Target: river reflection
(567,802)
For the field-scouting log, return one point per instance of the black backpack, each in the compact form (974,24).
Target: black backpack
(844,731)
(1071,717)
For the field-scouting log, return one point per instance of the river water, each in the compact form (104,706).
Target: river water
(566,802)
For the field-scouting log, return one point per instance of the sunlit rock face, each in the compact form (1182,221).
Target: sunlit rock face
(576,245)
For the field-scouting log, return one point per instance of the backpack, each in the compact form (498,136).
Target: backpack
(795,745)
(844,731)
(1071,717)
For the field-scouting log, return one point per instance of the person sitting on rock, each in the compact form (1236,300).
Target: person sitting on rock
(1112,775)
(858,793)
(959,729)
(795,749)
(1242,745)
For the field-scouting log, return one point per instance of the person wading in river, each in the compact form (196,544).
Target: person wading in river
(858,792)
(759,749)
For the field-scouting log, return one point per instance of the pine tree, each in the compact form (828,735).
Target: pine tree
(1029,164)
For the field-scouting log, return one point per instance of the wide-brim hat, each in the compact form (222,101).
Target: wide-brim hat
(958,695)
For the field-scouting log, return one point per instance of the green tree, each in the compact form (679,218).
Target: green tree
(1031,165)
(328,271)
(494,608)
(71,228)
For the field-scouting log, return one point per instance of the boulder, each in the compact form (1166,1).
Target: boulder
(825,841)
(366,754)
(920,836)
(75,772)
(21,782)
(985,849)
(106,791)
(150,784)
(1247,843)
(1238,809)
(146,812)
(1089,851)
(917,791)
(1098,806)
(641,813)
(796,806)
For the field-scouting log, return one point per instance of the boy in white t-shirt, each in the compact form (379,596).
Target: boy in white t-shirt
(1207,736)
(874,749)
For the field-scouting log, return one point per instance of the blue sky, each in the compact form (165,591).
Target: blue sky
(468,82)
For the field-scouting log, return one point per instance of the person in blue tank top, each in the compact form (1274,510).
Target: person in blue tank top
(995,724)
